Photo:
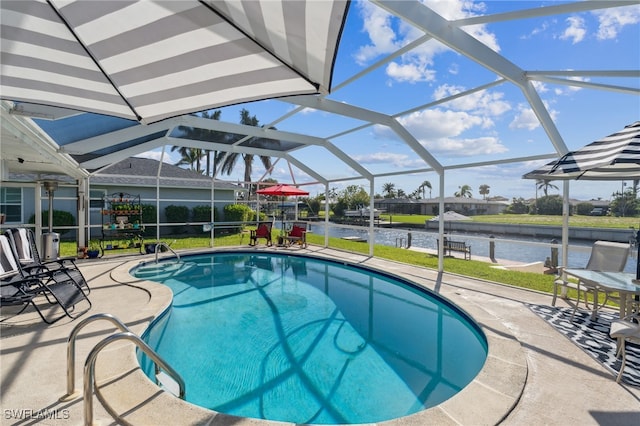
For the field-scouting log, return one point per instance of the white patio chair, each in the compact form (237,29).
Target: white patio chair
(625,330)
(606,256)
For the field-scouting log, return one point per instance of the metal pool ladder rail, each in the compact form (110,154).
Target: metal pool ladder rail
(167,246)
(89,366)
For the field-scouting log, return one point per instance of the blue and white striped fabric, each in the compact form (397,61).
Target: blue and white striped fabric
(615,157)
(150,60)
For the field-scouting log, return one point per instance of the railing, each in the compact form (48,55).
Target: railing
(89,366)
(163,244)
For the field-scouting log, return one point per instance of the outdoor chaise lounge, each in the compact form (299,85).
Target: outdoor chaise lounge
(14,290)
(24,242)
(606,256)
(21,287)
(263,230)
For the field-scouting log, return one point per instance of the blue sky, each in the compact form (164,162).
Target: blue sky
(493,124)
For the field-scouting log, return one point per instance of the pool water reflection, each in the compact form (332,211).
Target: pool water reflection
(298,339)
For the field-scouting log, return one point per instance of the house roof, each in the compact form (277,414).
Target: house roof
(135,171)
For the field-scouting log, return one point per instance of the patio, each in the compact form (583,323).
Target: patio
(536,375)
(563,384)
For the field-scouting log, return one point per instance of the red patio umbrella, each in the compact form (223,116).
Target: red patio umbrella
(282,190)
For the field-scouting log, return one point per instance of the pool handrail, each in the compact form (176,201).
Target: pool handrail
(71,349)
(125,333)
(89,369)
(167,246)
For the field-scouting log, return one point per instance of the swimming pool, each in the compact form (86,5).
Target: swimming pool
(299,339)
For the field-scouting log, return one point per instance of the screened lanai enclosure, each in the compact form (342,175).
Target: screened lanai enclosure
(87,85)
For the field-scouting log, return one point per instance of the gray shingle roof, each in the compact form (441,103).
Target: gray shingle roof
(135,171)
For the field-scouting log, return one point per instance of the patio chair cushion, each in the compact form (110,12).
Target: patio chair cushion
(262,230)
(297,231)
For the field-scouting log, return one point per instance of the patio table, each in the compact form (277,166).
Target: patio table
(624,283)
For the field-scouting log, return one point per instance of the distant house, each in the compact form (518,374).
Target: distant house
(430,206)
(159,184)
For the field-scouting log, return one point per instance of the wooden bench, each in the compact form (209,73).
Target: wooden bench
(459,246)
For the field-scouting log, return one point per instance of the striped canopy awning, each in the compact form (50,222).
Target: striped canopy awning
(150,60)
(615,157)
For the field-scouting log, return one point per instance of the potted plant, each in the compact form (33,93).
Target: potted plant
(94,250)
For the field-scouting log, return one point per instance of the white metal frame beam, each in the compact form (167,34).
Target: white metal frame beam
(455,38)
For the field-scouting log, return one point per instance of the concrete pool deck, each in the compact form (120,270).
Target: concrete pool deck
(534,374)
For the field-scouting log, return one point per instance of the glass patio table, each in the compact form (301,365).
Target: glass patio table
(624,283)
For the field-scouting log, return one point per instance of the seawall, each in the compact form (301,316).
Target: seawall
(540,231)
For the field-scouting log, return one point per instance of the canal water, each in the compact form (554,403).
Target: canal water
(513,248)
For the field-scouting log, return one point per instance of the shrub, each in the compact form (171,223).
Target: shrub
(149,215)
(237,213)
(549,204)
(203,214)
(584,208)
(177,214)
(60,218)
(339,208)
(517,206)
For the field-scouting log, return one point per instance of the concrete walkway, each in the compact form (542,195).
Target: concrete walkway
(561,384)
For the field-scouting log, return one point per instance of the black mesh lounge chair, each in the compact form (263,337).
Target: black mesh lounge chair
(21,288)
(13,289)
(24,242)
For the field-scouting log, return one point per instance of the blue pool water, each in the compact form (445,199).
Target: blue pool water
(304,340)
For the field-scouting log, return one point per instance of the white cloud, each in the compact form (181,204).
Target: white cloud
(377,24)
(397,160)
(538,30)
(525,119)
(576,30)
(411,72)
(440,132)
(466,147)
(611,21)
(169,158)
(387,34)
(539,86)
(484,102)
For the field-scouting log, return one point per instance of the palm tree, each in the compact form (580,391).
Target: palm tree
(193,156)
(484,190)
(389,189)
(184,153)
(216,136)
(464,192)
(190,157)
(230,162)
(545,185)
(423,185)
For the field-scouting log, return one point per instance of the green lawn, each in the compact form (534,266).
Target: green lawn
(469,268)
(526,219)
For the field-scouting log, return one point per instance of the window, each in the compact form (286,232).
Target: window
(11,204)
(96,199)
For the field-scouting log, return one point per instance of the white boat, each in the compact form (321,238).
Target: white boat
(363,213)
